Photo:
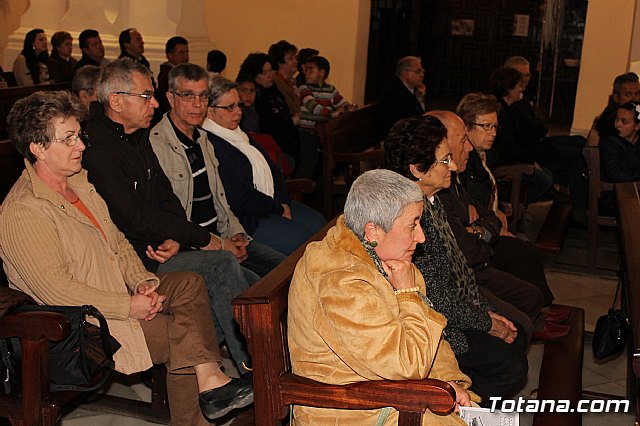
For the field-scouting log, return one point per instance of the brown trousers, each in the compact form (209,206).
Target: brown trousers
(181,336)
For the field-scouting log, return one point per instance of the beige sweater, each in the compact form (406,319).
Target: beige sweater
(54,253)
(23,75)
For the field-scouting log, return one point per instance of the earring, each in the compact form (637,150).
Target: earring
(372,244)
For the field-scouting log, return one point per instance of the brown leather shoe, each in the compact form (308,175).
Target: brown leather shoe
(551,331)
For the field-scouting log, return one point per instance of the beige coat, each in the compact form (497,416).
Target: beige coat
(346,325)
(53,252)
(175,164)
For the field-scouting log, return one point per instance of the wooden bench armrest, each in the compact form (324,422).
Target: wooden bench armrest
(406,395)
(513,170)
(34,326)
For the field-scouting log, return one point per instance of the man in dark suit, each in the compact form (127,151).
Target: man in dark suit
(405,96)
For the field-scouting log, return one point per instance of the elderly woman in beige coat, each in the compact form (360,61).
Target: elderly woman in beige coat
(60,246)
(358,309)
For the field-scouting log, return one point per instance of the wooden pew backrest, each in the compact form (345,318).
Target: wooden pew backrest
(10,95)
(349,139)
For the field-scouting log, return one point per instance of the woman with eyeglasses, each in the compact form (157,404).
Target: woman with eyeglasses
(489,347)
(254,185)
(275,116)
(479,112)
(60,246)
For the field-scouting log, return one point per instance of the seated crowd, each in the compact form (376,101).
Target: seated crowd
(176,188)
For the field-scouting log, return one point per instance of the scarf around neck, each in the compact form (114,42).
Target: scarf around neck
(262,177)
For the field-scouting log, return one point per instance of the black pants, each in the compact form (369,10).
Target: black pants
(521,259)
(496,368)
(568,166)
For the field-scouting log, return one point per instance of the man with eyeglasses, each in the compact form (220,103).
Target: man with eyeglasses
(405,96)
(508,270)
(189,162)
(125,171)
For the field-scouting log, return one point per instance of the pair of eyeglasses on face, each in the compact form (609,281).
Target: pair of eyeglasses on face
(229,108)
(72,139)
(447,161)
(487,126)
(146,95)
(417,71)
(191,97)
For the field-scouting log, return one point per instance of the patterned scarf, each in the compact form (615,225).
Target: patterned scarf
(464,277)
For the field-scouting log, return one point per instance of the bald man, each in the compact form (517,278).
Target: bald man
(508,270)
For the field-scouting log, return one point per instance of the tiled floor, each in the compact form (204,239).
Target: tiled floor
(593,291)
(571,285)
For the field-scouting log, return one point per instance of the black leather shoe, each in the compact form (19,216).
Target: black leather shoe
(217,402)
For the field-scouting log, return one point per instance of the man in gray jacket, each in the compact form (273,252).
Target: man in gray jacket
(189,162)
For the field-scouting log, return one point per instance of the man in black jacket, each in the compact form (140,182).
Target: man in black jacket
(405,96)
(126,172)
(92,49)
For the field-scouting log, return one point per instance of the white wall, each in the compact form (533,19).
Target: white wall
(606,53)
(338,28)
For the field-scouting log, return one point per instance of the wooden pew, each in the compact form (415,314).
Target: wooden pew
(591,155)
(261,312)
(10,95)
(629,222)
(554,228)
(561,372)
(513,175)
(348,141)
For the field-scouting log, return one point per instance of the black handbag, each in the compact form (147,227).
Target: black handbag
(73,361)
(610,334)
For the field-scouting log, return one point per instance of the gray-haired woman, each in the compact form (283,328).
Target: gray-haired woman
(254,184)
(359,309)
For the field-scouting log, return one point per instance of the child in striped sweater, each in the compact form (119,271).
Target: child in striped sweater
(319,100)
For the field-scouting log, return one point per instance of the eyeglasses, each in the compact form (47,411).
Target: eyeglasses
(487,126)
(230,107)
(448,160)
(146,95)
(190,96)
(417,71)
(72,139)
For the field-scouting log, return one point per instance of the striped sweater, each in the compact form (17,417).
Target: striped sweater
(317,103)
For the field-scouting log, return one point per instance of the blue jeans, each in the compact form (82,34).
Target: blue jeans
(286,235)
(225,279)
(262,259)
